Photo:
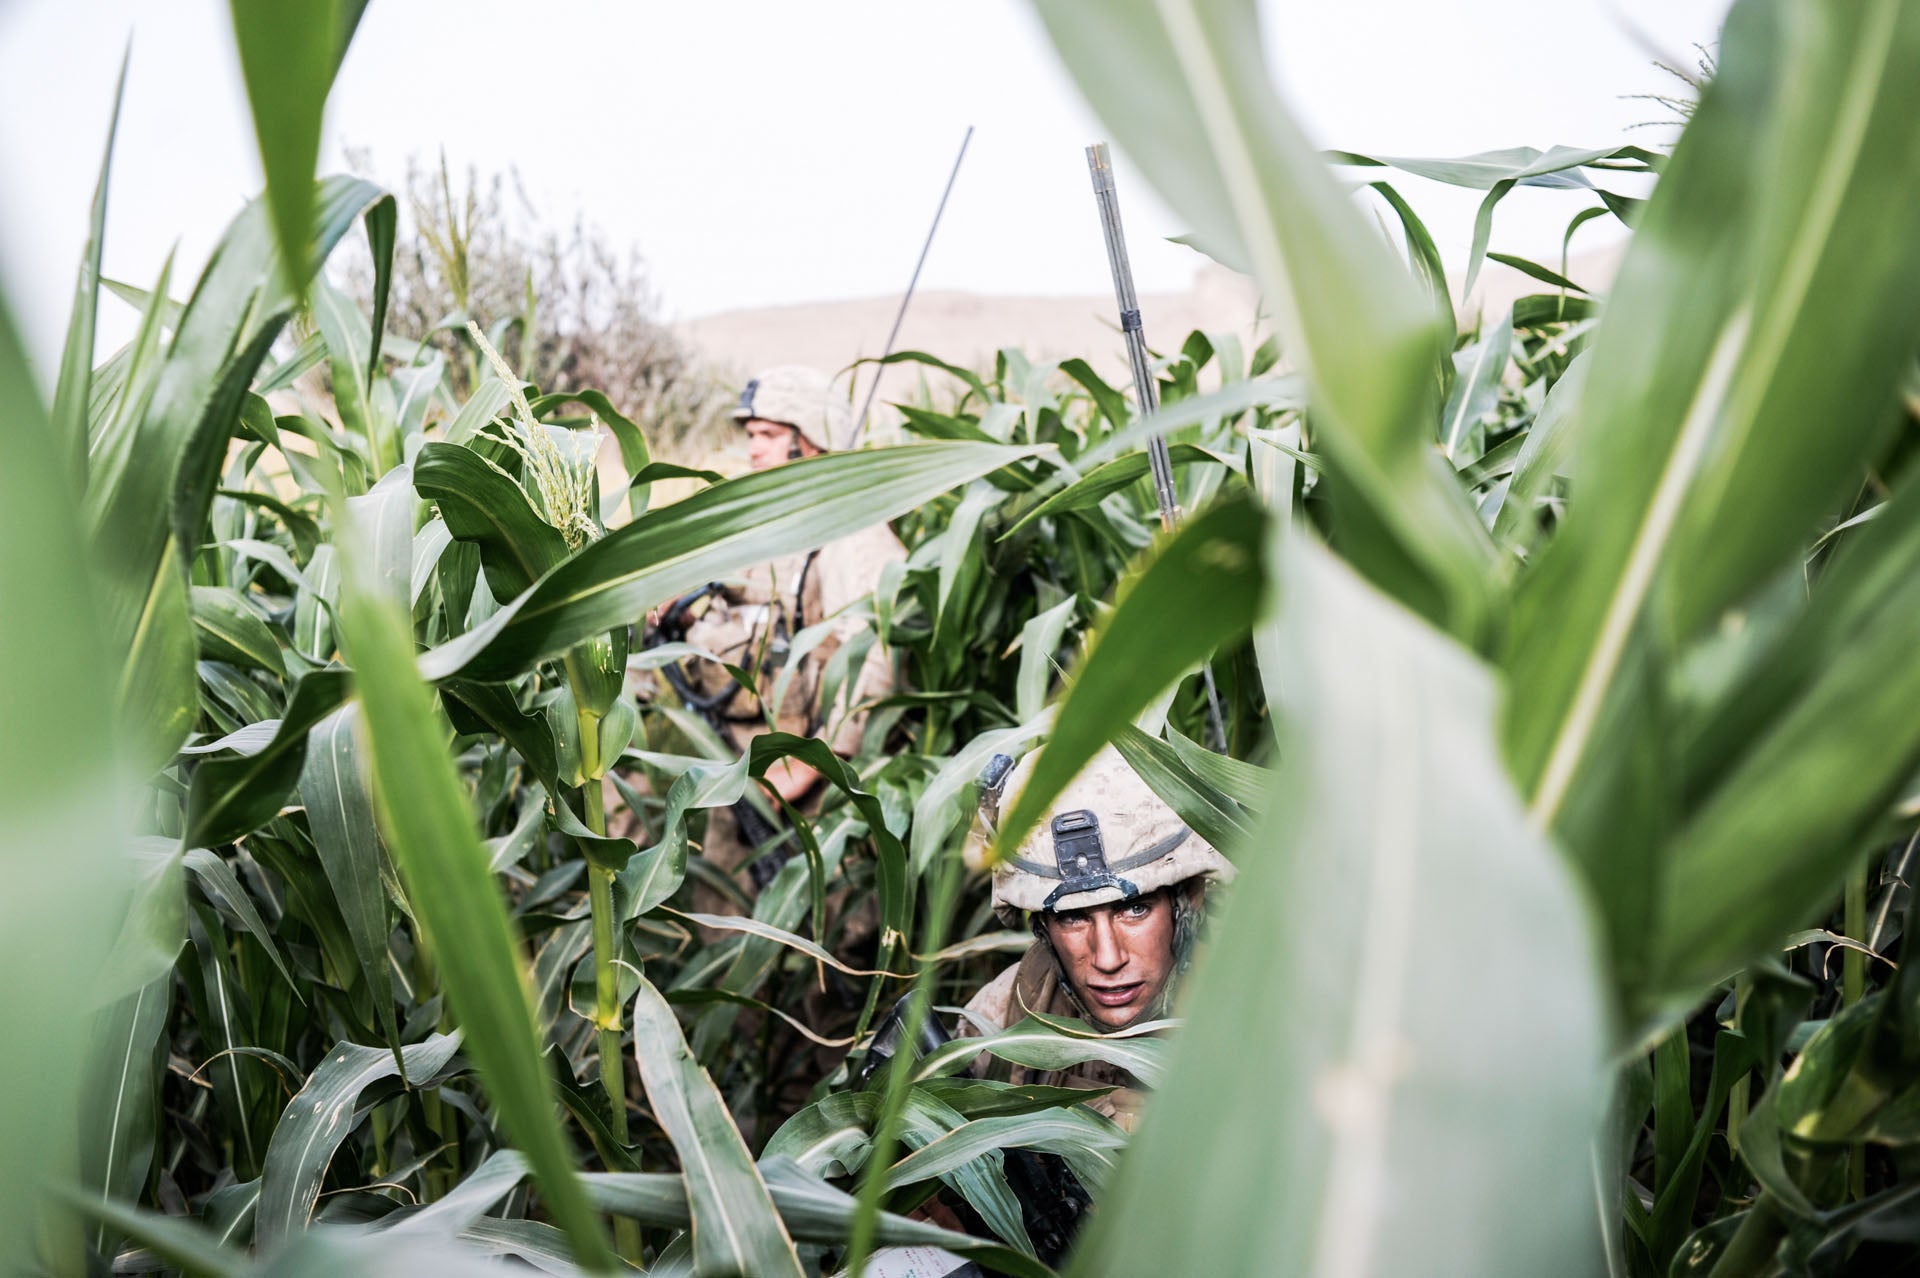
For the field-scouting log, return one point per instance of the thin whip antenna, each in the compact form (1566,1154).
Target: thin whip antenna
(879,368)
(1145,390)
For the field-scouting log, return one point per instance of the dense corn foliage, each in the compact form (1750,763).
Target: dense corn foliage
(1569,760)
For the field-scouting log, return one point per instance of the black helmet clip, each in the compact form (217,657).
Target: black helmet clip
(1081,856)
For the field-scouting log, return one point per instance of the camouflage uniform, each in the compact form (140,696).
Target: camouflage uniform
(751,620)
(1140,846)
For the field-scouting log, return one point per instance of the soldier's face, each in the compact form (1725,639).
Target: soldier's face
(1117,957)
(771,444)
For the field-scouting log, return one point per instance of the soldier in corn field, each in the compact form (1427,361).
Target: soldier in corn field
(1113,886)
(764,618)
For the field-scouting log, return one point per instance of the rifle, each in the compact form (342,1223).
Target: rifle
(1053,1202)
(1145,389)
(760,834)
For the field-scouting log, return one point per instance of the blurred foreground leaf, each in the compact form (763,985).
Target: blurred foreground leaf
(1200,591)
(1218,145)
(59,789)
(450,882)
(1369,1086)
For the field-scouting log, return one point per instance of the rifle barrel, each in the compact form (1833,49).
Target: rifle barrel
(1145,390)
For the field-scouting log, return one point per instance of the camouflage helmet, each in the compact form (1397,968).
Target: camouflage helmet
(797,396)
(1107,837)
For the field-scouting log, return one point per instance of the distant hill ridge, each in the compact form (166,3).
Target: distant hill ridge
(968,328)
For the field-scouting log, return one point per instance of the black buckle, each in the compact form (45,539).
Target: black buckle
(1081,856)
(993,781)
(746,396)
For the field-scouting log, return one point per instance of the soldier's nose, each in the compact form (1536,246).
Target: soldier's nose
(1108,956)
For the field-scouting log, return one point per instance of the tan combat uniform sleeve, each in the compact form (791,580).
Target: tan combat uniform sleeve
(987,1011)
(849,569)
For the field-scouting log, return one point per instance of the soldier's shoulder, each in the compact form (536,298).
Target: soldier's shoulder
(873,545)
(992,1003)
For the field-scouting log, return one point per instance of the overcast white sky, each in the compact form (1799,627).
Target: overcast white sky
(761,152)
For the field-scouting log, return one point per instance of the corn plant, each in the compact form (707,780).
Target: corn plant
(1572,658)
(1557,785)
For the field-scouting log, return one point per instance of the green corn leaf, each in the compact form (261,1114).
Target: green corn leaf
(488,400)
(656,872)
(982,1182)
(75,384)
(124,385)
(483,506)
(819,1212)
(349,340)
(156,695)
(1039,642)
(1422,254)
(429,831)
(319,1118)
(1734,1055)
(222,886)
(302,527)
(1218,145)
(938,810)
(715,532)
(981,1098)
(1199,592)
(1499,172)
(634,454)
(334,1250)
(1039,1043)
(190,1248)
(383,517)
(1697,475)
(1476,389)
(466,1202)
(62,788)
(776,935)
(230,797)
(1386,1055)
(1557,166)
(1543,456)
(830,1137)
(429,544)
(493,707)
(1090,1142)
(180,443)
(1105,480)
(813,1211)
(735,1227)
(1535,271)
(228,630)
(1207,812)
(120,1117)
(340,814)
(153,925)
(961,551)
(1796,770)
(1244,783)
(288,58)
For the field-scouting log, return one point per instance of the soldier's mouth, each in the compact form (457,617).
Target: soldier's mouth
(1115,995)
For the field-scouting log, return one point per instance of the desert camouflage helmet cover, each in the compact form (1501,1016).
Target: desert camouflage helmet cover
(800,397)
(1108,837)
